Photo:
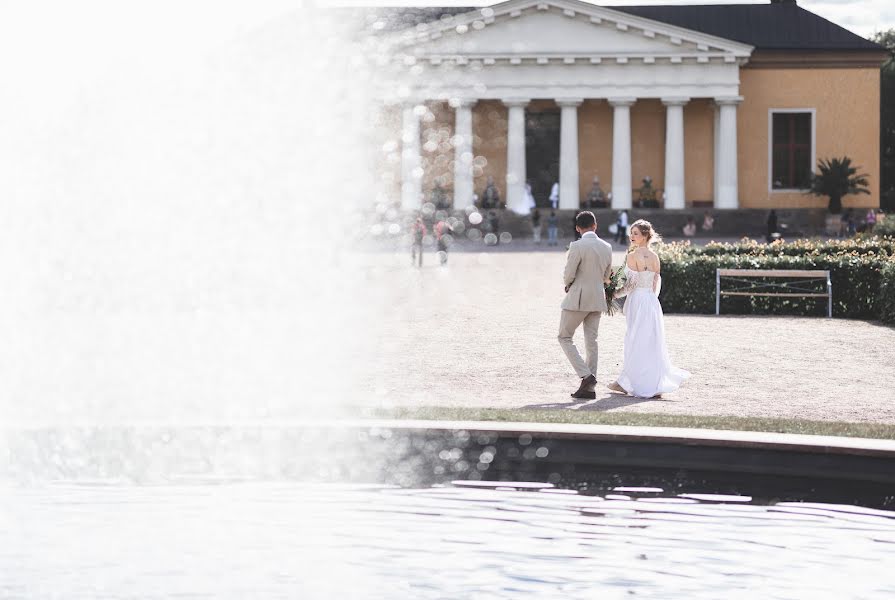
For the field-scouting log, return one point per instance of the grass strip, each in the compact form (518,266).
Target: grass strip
(803,426)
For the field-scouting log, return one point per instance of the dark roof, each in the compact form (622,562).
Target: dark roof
(778,26)
(784,26)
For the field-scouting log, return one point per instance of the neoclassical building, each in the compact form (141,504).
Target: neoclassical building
(724,106)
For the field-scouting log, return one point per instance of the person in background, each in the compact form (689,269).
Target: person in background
(848,223)
(491,195)
(418,232)
(708,221)
(870,220)
(536,225)
(772,226)
(439,195)
(690,227)
(552,226)
(621,234)
(532,204)
(443,233)
(554,196)
(522,206)
(494,225)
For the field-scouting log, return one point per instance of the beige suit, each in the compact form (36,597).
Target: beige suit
(588,266)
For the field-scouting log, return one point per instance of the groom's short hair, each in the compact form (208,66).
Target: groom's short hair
(585,220)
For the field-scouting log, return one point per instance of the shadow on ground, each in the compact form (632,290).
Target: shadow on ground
(608,402)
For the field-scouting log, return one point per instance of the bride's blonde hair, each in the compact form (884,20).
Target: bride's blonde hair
(646,229)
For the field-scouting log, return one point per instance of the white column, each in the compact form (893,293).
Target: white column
(515,151)
(727,153)
(621,152)
(568,154)
(674,153)
(411,165)
(463,186)
(717,134)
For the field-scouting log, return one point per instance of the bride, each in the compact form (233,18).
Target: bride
(524,203)
(647,371)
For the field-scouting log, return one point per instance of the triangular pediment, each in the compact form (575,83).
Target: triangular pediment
(567,29)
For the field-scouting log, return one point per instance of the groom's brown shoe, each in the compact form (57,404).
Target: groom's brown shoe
(586,390)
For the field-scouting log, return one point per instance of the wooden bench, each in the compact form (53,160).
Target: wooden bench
(746,288)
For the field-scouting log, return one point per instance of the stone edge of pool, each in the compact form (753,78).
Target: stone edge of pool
(595,448)
(678,435)
(830,459)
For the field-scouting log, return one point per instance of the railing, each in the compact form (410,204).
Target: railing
(748,287)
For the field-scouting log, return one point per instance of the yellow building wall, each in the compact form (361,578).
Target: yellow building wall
(699,150)
(489,145)
(436,150)
(847,124)
(594,146)
(648,144)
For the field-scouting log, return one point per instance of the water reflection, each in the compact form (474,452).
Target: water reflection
(471,540)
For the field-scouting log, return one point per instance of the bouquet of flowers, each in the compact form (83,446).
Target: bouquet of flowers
(616,282)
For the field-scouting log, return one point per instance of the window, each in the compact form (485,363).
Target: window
(792,150)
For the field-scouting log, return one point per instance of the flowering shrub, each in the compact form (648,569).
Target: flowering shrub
(802,247)
(861,271)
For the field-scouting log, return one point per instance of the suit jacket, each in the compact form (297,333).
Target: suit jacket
(588,265)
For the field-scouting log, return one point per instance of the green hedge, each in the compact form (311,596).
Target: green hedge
(886,303)
(885,227)
(862,272)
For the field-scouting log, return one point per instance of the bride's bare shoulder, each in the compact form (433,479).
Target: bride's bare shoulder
(647,255)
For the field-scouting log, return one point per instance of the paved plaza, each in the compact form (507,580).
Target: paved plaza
(481,332)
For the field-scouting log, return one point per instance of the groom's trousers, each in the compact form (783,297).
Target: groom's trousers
(568,323)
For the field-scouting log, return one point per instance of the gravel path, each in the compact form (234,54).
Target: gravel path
(481,332)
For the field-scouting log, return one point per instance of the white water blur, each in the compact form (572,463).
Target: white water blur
(172,240)
(171,251)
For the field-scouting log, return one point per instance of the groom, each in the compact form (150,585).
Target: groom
(588,268)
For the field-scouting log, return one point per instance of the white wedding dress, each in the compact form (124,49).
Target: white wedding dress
(524,203)
(647,370)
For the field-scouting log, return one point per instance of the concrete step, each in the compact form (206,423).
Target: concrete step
(728,223)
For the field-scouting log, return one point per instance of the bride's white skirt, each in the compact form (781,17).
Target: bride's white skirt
(647,370)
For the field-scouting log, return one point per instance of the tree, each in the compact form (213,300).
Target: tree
(837,178)
(886,39)
(887,119)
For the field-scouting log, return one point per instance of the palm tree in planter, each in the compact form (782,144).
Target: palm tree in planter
(837,178)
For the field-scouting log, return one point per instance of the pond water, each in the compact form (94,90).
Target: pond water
(467,540)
